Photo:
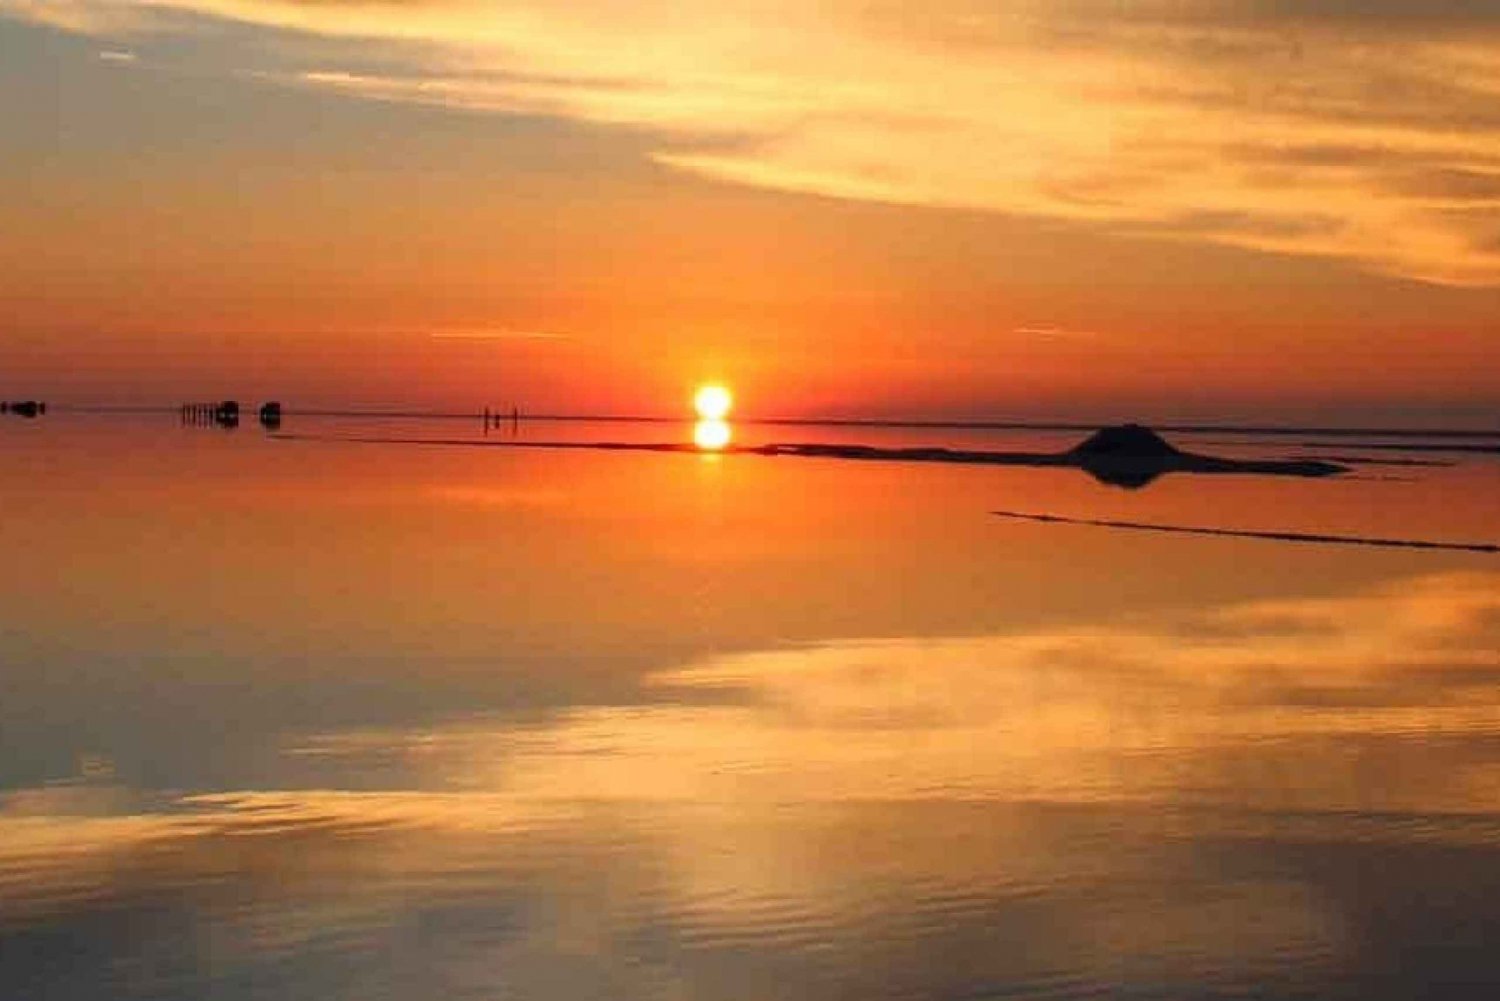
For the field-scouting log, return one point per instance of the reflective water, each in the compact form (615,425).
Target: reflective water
(323,719)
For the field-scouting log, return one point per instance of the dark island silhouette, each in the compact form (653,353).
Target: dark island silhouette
(1126,455)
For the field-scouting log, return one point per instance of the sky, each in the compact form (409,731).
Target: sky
(1204,209)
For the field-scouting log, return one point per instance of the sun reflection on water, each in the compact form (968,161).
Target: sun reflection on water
(712,435)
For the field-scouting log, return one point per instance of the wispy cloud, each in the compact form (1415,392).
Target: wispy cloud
(494,334)
(1047,332)
(1367,133)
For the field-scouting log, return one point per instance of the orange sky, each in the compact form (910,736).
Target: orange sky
(1215,209)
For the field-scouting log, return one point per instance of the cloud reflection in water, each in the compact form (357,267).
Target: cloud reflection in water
(1196,805)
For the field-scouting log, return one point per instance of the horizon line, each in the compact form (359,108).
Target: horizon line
(979,424)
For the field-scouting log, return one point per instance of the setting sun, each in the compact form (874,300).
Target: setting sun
(713,402)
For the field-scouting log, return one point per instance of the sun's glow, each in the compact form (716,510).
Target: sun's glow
(713,402)
(712,435)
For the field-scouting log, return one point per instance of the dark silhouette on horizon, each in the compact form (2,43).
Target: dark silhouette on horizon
(1126,455)
(270,415)
(225,414)
(1396,446)
(495,418)
(1132,456)
(23,408)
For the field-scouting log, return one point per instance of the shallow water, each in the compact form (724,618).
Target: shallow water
(323,719)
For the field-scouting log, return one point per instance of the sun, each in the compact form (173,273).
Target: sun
(713,401)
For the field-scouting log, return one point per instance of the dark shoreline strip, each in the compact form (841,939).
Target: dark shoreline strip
(1393,446)
(1108,467)
(1366,460)
(1339,540)
(601,446)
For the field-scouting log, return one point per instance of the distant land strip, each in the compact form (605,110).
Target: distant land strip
(1118,466)
(1366,460)
(1489,436)
(1393,446)
(1337,540)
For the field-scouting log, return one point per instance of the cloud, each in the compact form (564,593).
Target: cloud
(1337,130)
(1047,332)
(494,334)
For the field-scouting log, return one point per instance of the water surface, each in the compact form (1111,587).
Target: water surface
(325,719)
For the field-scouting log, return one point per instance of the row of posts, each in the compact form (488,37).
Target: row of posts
(495,418)
(226,414)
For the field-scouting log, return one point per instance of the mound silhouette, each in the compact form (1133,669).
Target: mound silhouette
(1132,456)
(1126,441)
